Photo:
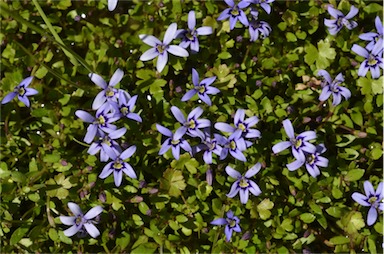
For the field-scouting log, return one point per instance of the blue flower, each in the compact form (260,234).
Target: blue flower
(234,144)
(234,13)
(81,223)
(331,87)
(125,106)
(209,146)
(202,89)
(335,25)
(231,222)
(160,49)
(172,142)
(109,94)
(243,184)
(263,4)
(189,36)
(192,124)
(312,163)
(373,59)
(258,28)
(106,144)
(241,125)
(299,144)
(118,166)
(372,37)
(102,122)
(372,199)
(22,91)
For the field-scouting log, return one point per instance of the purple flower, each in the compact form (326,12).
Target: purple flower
(335,25)
(112,4)
(312,163)
(189,36)
(234,13)
(241,125)
(373,59)
(191,124)
(231,222)
(331,87)
(209,146)
(109,93)
(79,222)
(202,89)
(371,198)
(372,37)
(258,28)
(106,144)
(22,91)
(102,122)
(299,144)
(243,184)
(118,166)
(125,106)
(235,144)
(172,142)
(161,49)
(263,4)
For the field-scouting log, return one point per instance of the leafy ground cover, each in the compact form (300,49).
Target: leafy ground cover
(191,126)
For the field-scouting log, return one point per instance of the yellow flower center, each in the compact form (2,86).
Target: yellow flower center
(242,127)
(117,165)
(107,141)
(191,124)
(235,12)
(311,159)
(21,91)
(372,60)
(201,89)
(175,142)
(243,183)
(231,223)
(297,143)
(124,110)
(101,120)
(109,92)
(78,220)
(232,145)
(160,48)
(372,200)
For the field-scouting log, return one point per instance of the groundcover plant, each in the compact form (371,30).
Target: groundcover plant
(191,126)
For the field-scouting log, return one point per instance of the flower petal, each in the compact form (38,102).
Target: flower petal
(149,54)
(233,173)
(165,131)
(224,127)
(162,61)
(177,51)
(360,50)
(234,190)
(92,230)
(191,20)
(112,4)
(170,34)
(116,77)
(178,114)
(288,128)
(244,195)
(93,212)
(128,152)
(128,170)
(71,231)
(281,146)
(361,199)
(98,80)
(253,170)
(204,30)
(353,11)
(294,165)
(372,216)
(368,188)
(68,220)
(188,95)
(8,97)
(220,221)
(75,209)
(85,116)
(150,40)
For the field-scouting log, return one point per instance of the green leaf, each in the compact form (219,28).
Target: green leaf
(264,207)
(357,117)
(376,153)
(354,175)
(353,222)
(17,235)
(291,37)
(377,85)
(373,7)
(224,55)
(173,182)
(334,211)
(123,242)
(143,207)
(311,54)
(307,217)
(217,205)
(326,53)
(339,240)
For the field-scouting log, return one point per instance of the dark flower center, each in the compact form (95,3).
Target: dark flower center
(243,183)
(191,34)
(311,159)
(211,145)
(335,89)
(79,220)
(339,21)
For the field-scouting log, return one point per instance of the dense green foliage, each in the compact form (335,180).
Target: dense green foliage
(44,163)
